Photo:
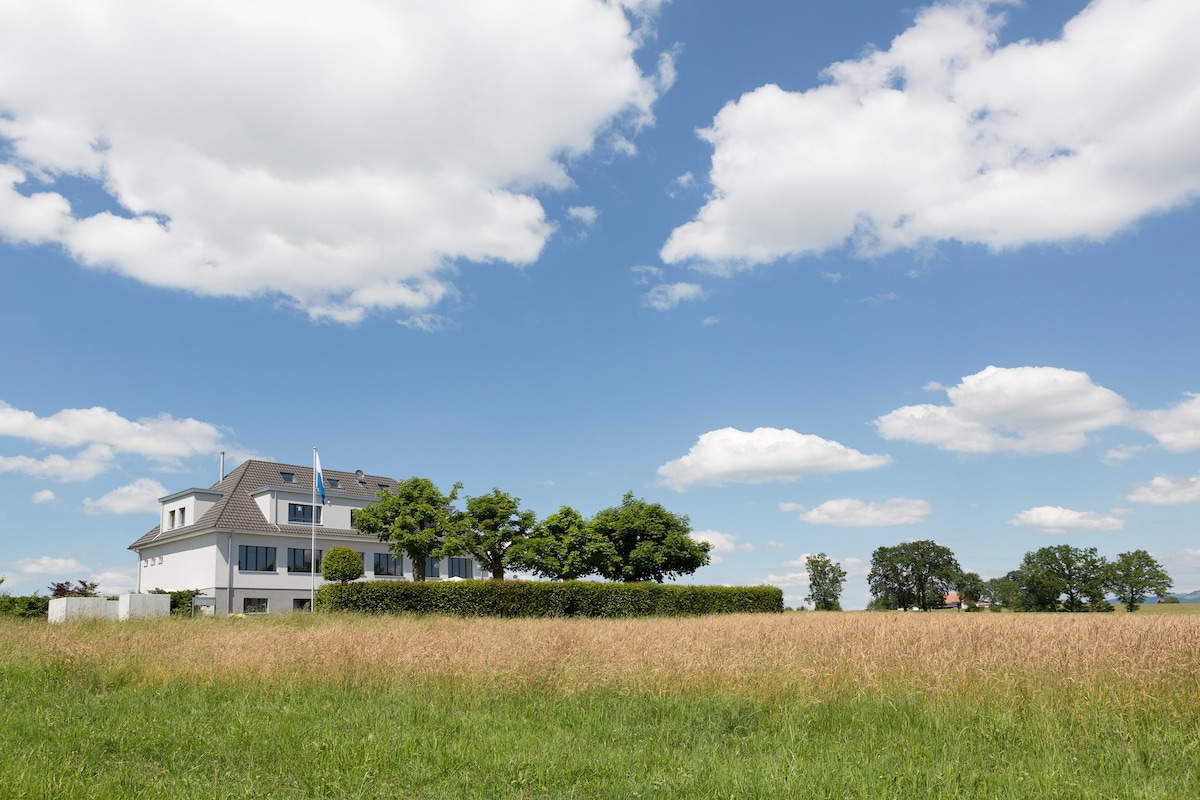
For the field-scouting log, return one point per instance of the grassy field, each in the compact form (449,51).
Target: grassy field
(855,705)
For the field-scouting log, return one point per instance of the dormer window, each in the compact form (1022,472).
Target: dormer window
(288,477)
(334,483)
(171,520)
(182,516)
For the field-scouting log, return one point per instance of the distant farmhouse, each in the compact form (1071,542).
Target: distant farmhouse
(246,540)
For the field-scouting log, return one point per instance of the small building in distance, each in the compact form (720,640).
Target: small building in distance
(246,541)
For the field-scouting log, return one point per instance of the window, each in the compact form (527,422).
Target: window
(334,483)
(300,560)
(301,604)
(254,605)
(256,559)
(302,513)
(182,514)
(353,514)
(459,568)
(170,520)
(288,477)
(388,564)
(431,568)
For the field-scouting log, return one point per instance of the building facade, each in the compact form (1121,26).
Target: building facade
(247,541)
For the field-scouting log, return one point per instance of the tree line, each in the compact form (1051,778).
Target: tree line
(631,542)
(919,575)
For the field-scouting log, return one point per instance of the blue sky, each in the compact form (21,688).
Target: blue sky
(823,279)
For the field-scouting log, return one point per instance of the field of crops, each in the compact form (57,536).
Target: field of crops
(859,705)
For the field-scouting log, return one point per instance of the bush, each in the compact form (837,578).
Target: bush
(1169,599)
(341,564)
(181,600)
(541,599)
(33,605)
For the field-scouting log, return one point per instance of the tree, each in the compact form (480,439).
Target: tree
(493,524)
(562,547)
(648,542)
(341,564)
(1062,575)
(825,579)
(1134,575)
(969,586)
(914,574)
(81,589)
(1002,592)
(415,519)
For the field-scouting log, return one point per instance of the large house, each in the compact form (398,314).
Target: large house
(246,541)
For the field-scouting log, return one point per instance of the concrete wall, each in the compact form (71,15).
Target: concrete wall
(134,606)
(68,608)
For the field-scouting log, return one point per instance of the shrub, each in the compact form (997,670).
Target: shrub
(341,564)
(181,600)
(33,605)
(544,599)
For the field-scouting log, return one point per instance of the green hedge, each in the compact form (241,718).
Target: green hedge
(33,605)
(485,598)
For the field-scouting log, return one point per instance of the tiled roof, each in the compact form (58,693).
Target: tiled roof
(237,511)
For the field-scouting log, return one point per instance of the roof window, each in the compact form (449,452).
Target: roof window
(288,477)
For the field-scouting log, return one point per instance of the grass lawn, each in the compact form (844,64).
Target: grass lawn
(855,705)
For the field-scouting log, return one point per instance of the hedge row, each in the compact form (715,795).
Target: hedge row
(485,598)
(32,605)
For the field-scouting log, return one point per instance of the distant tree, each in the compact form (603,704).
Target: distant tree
(1168,599)
(1062,576)
(825,579)
(1133,576)
(969,586)
(1002,592)
(341,564)
(562,547)
(415,519)
(648,542)
(914,574)
(80,589)
(492,525)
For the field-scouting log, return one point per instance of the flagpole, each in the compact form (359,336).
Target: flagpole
(312,554)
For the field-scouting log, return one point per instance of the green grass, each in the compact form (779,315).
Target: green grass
(80,720)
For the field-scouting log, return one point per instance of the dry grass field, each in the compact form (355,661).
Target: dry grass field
(855,704)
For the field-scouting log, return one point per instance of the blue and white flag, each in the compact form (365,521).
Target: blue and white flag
(319,481)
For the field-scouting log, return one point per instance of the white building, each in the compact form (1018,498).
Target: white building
(246,541)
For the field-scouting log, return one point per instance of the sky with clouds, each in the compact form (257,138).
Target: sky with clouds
(823,279)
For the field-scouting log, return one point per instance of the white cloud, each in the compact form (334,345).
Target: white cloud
(427,323)
(584,215)
(789,579)
(945,135)
(666,296)
(721,543)
(92,461)
(1029,410)
(880,299)
(42,496)
(851,513)
(708,322)
(1167,490)
(643,275)
(763,455)
(1177,427)
(48,565)
(139,497)
(1056,519)
(340,155)
(162,438)
(833,277)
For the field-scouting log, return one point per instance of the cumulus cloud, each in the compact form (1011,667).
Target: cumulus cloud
(947,135)
(1056,519)
(851,513)
(102,434)
(139,497)
(42,496)
(720,544)
(763,455)
(584,215)
(48,565)
(1028,410)
(666,296)
(339,155)
(1176,427)
(1167,490)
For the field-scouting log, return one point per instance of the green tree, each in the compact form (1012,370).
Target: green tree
(492,525)
(1002,592)
(341,564)
(825,579)
(969,586)
(914,574)
(1062,576)
(648,542)
(562,547)
(1134,575)
(415,519)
